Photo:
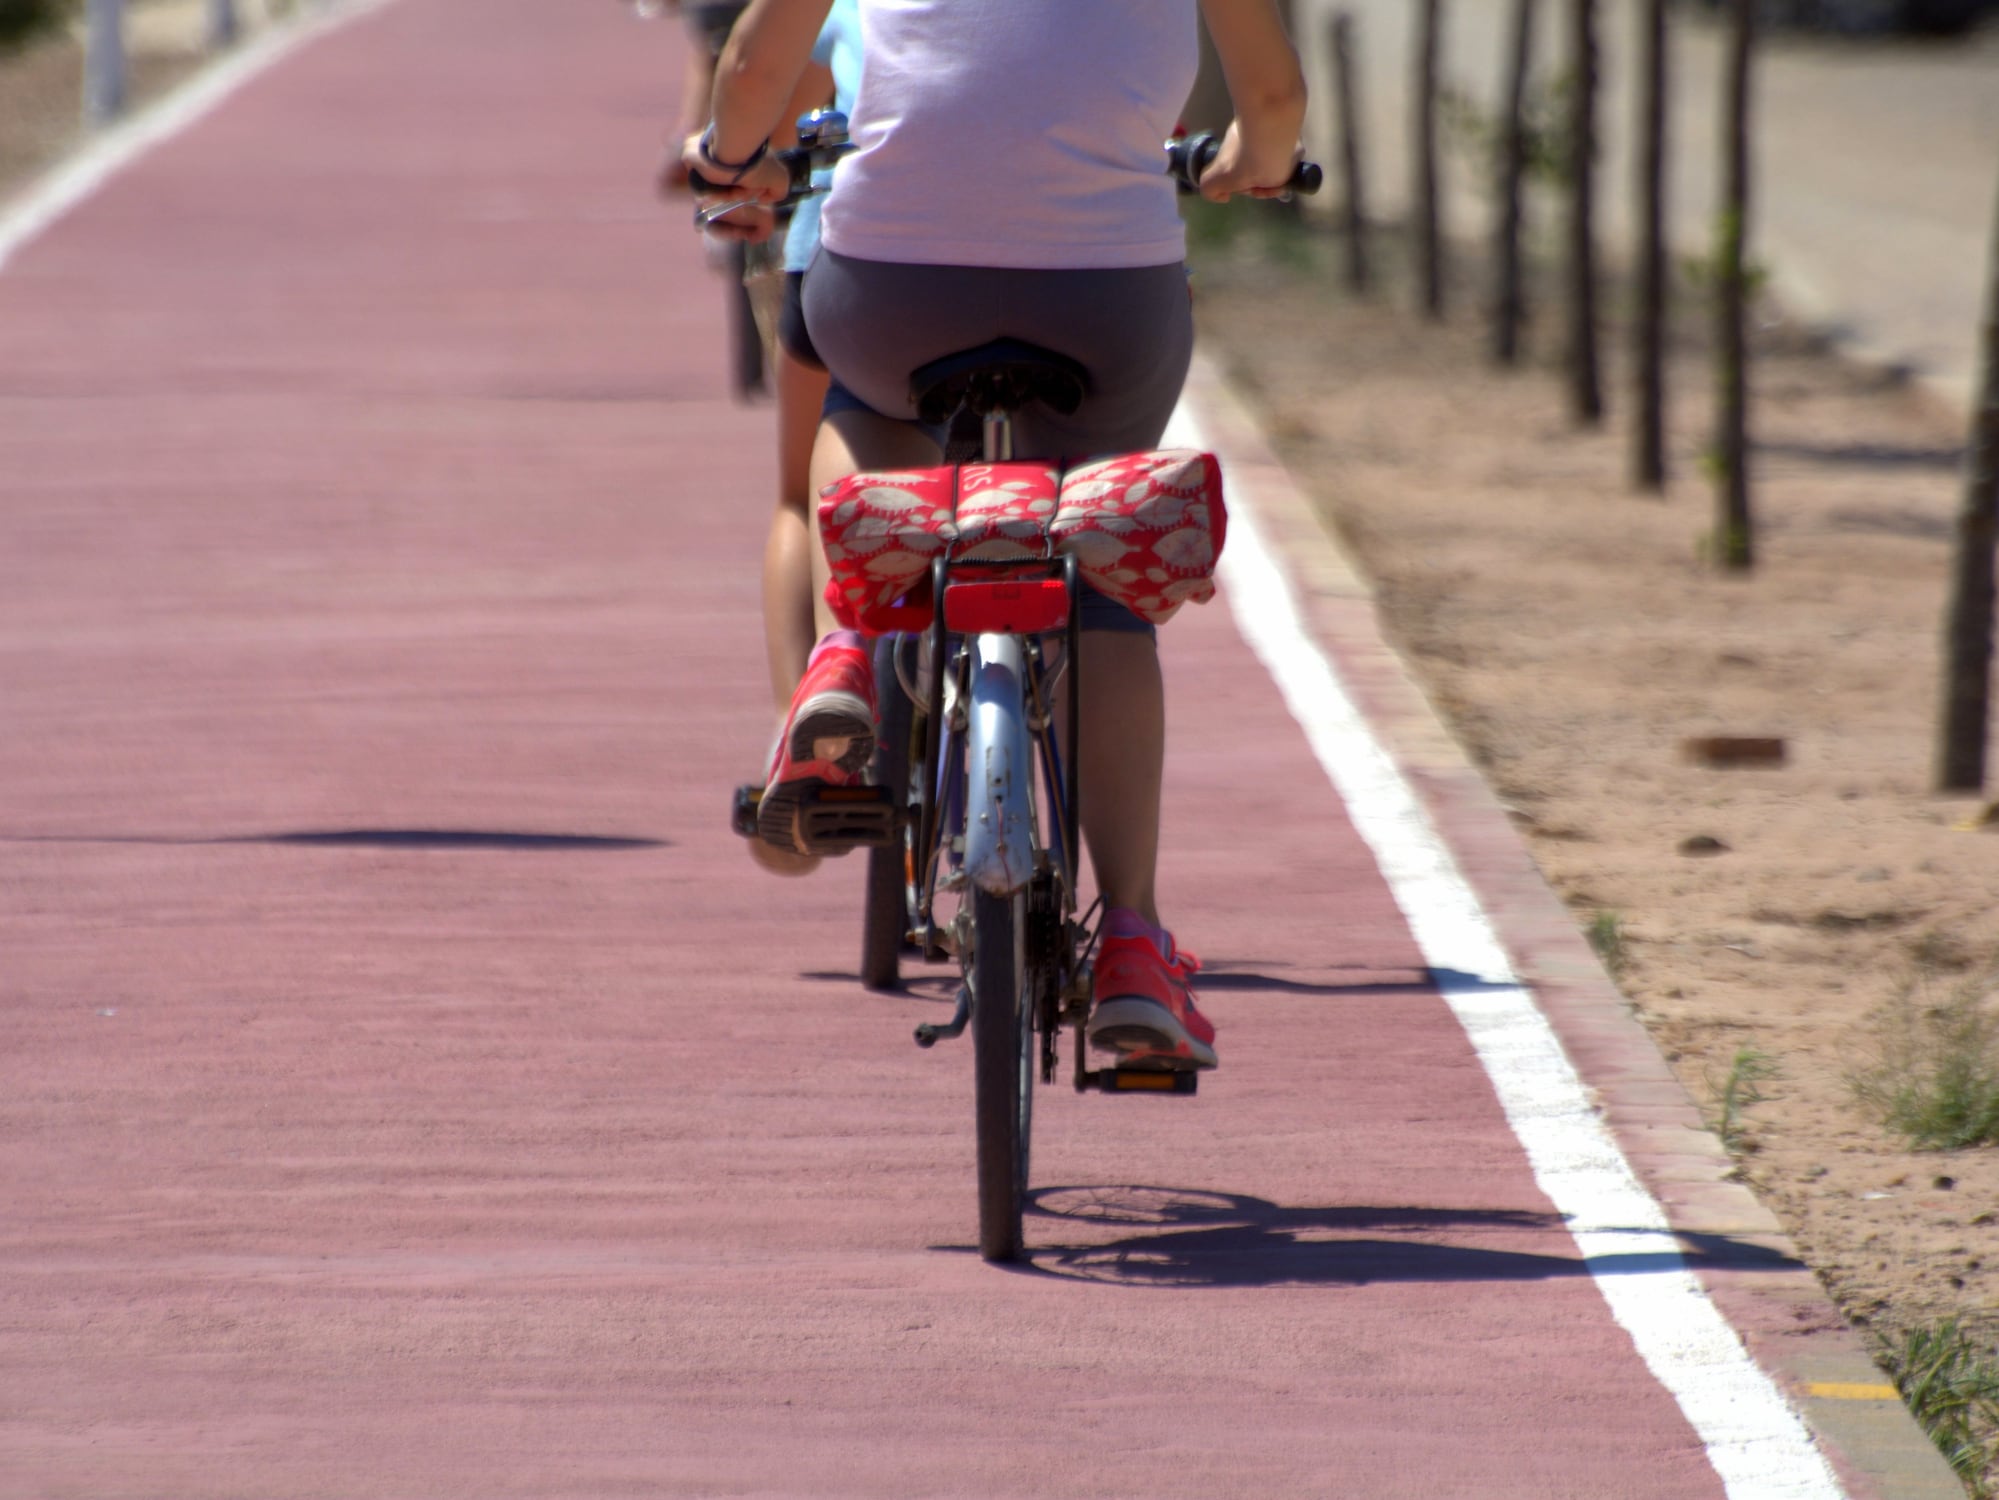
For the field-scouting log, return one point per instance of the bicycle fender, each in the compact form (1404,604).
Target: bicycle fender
(999,769)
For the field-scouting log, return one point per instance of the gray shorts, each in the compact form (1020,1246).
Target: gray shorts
(1132,331)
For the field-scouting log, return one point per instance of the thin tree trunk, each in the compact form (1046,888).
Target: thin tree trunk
(1585,377)
(1648,455)
(103,61)
(1509,298)
(1967,676)
(1734,542)
(224,25)
(1344,87)
(1429,233)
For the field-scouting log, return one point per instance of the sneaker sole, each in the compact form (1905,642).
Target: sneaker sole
(777,814)
(828,716)
(1145,1030)
(779,860)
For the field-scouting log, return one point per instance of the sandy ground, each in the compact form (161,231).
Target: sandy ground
(1575,639)
(41,89)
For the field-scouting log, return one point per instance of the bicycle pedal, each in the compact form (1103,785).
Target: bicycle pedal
(1144,1081)
(834,819)
(743,811)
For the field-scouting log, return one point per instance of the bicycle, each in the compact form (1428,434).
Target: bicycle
(971,814)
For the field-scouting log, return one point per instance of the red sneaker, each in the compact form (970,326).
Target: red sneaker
(1144,1007)
(828,737)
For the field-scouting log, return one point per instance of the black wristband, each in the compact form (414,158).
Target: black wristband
(706,147)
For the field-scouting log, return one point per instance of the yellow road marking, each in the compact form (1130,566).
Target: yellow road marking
(1843,1390)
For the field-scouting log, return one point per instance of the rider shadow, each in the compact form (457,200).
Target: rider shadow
(1192,1238)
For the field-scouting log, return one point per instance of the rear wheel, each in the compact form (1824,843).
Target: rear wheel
(1003,1059)
(885,919)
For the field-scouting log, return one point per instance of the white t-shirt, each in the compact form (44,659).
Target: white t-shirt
(1015,133)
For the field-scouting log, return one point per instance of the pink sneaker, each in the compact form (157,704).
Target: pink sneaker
(1144,1007)
(828,737)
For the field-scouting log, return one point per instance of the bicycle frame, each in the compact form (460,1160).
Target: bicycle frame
(983,814)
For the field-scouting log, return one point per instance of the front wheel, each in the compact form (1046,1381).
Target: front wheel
(1003,1059)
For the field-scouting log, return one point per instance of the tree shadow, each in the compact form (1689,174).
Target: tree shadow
(1891,522)
(446,838)
(1188,1237)
(1881,456)
(371,838)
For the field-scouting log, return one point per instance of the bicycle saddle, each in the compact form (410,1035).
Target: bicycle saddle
(1002,376)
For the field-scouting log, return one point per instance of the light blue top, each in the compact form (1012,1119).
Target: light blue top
(838,48)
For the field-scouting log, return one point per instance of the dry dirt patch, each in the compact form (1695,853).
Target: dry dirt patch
(1574,636)
(41,89)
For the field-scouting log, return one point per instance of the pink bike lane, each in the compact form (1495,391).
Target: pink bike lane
(414,1090)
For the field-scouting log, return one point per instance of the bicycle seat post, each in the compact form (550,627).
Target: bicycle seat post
(998,431)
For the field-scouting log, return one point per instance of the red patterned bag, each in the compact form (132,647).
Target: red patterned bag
(1146,529)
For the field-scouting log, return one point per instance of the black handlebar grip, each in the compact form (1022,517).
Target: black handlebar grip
(1190,156)
(1206,148)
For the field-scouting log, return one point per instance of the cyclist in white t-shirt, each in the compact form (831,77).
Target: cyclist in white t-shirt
(1009,182)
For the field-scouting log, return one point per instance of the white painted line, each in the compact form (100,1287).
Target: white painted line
(1758,1445)
(54,195)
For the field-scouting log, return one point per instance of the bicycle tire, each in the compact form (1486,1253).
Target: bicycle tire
(885,915)
(746,342)
(1003,1066)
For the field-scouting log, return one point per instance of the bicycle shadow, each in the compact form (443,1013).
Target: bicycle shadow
(1253,977)
(1224,977)
(938,986)
(1185,1237)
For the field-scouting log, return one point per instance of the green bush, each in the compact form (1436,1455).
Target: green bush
(21,21)
(1933,1076)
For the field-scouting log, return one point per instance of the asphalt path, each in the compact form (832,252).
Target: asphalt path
(1875,186)
(412,1088)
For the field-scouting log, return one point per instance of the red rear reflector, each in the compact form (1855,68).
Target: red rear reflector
(1011,606)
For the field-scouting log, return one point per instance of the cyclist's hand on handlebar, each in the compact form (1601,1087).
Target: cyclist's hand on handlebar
(1237,170)
(752,223)
(768,181)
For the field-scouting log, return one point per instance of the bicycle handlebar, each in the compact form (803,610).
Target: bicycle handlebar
(822,140)
(1188,156)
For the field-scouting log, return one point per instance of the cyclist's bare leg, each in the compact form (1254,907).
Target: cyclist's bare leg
(850,442)
(788,592)
(1122,766)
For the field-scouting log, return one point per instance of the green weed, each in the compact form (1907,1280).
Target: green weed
(1748,1070)
(1545,137)
(1951,1386)
(24,21)
(1932,1074)
(1606,935)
